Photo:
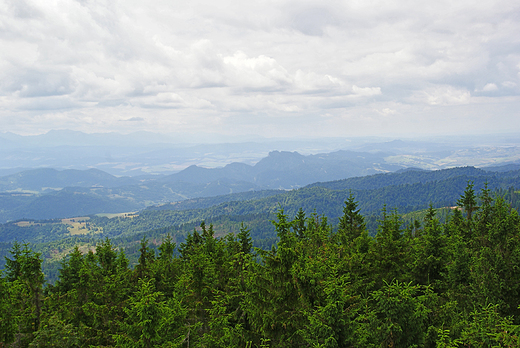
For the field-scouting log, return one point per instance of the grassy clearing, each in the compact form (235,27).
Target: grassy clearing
(28,223)
(76,226)
(81,226)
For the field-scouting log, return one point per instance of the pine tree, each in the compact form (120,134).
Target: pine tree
(468,200)
(70,272)
(26,282)
(245,240)
(145,318)
(145,261)
(352,223)
(8,323)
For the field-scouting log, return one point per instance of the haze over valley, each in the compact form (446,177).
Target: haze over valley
(63,174)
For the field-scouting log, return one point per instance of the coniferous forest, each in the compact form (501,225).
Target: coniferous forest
(427,284)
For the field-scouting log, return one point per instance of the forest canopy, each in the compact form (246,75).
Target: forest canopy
(428,284)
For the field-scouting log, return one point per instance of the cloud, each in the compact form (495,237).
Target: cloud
(509,84)
(313,20)
(443,95)
(367,91)
(387,112)
(489,87)
(260,72)
(188,64)
(133,119)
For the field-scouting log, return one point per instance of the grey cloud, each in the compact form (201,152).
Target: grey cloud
(312,21)
(41,84)
(208,61)
(47,103)
(22,9)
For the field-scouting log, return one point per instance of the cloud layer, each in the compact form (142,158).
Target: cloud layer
(272,68)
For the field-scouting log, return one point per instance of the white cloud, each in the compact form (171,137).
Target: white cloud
(256,73)
(133,119)
(387,112)
(489,87)
(367,91)
(179,64)
(443,95)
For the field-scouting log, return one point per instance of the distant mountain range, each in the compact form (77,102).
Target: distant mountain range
(407,191)
(48,193)
(48,179)
(289,170)
(145,153)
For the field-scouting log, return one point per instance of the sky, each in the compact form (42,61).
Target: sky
(260,68)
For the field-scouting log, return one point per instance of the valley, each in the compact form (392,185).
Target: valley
(230,184)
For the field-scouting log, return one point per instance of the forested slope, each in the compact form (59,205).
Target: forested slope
(56,237)
(432,284)
(408,191)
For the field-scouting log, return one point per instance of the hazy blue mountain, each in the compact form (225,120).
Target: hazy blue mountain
(513,165)
(101,191)
(143,153)
(40,179)
(406,191)
(71,203)
(288,170)
(9,171)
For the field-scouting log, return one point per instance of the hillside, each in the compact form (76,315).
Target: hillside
(48,193)
(426,284)
(44,179)
(405,191)
(287,170)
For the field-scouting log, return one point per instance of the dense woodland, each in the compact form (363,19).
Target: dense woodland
(426,284)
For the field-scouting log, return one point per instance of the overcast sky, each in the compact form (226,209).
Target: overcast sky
(270,68)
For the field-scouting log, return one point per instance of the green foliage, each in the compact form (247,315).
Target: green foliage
(352,223)
(145,313)
(426,284)
(56,333)
(468,200)
(8,320)
(396,316)
(487,328)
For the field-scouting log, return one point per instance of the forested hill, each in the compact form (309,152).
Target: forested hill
(324,201)
(55,238)
(408,190)
(412,176)
(432,284)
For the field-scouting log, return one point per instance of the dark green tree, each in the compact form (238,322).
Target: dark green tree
(145,318)
(26,283)
(145,261)
(468,200)
(352,223)
(8,324)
